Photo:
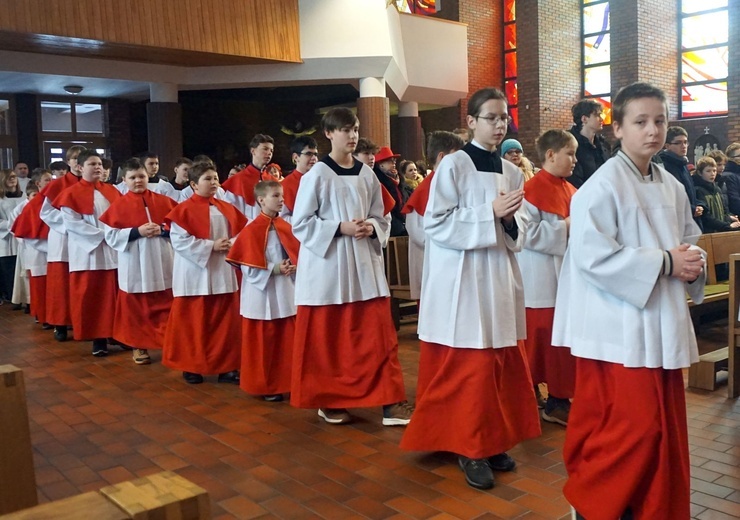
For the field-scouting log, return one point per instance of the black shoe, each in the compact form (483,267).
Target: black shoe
(27,309)
(192,379)
(478,473)
(60,333)
(276,398)
(46,326)
(122,346)
(501,462)
(229,377)
(99,348)
(16,307)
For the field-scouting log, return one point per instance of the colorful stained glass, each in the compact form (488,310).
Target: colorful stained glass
(596,49)
(704,100)
(510,70)
(510,36)
(694,6)
(514,125)
(606,102)
(596,18)
(705,29)
(512,92)
(597,80)
(704,65)
(509,10)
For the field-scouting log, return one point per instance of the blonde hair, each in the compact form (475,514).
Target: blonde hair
(527,168)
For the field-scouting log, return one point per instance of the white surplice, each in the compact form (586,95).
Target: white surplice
(471,291)
(612,302)
(145,264)
(161,187)
(249,211)
(198,269)
(57,243)
(415,229)
(87,248)
(541,257)
(265,295)
(338,269)
(8,243)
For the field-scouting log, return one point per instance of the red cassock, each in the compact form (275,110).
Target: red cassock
(140,319)
(267,345)
(57,282)
(243,183)
(420,197)
(626,445)
(472,401)
(38,296)
(29,225)
(203,331)
(363,368)
(92,293)
(555,366)
(290,189)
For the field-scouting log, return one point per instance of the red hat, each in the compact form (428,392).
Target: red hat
(384,154)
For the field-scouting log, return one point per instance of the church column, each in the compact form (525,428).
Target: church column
(373,111)
(408,140)
(164,125)
(733,80)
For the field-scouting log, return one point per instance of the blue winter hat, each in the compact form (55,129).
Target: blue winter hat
(510,144)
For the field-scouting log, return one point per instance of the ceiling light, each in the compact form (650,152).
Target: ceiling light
(73,89)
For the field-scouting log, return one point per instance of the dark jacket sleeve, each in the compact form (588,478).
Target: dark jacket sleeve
(733,193)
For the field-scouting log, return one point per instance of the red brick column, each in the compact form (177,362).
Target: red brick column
(374,115)
(733,80)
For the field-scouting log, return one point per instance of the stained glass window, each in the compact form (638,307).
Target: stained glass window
(417,6)
(704,58)
(510,63)
(596,54)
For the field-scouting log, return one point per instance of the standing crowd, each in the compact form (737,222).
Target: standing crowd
(276,283)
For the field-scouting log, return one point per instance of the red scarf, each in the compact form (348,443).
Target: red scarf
(29,223)
(420,197)
(193,216)
(81,196)
(249,247)
(549,193)
(56,186)
(243,183)
(290,189)
(129,211)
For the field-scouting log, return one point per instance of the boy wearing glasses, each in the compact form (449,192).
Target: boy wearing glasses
(475,396)
(675,161)
(304,154)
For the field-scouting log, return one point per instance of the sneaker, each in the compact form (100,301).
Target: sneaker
(192,378)
(398,414)
(60,333)
(540,400)
(99,348)
(556,411)
(478,473)
(501,462)
(335,415)
(273,398)
(141,356)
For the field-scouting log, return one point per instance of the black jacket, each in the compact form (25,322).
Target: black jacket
(731,176)
(398,192)
(590,157)
(678,167)
(715,217)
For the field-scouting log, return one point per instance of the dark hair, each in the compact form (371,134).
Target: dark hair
(202,158)
(717,155)
(259,139)
(86,154)
(442,141)
(107,163)
(554,140)
(31,187)
(404,164)
(20,162)
(74,151)
(365,145)
(481,96)
(183,160)
(134,163)
(704,162)
(263,187)
(59,165)
(585,108)
(148,155)
(199,169)
(337,118)
(631,92)
(675,131)
(301,142)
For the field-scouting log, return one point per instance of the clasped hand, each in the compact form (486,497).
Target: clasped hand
(506,204)
(356,228)
(687,263)
(150,230)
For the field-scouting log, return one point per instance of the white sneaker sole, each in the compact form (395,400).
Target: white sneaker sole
(333,421)
(394,421)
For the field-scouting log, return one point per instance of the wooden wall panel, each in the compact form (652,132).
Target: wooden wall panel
(257,29)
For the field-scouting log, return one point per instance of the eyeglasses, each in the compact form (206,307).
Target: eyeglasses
(679,143)
(518,152)
(310,154)
(496,120)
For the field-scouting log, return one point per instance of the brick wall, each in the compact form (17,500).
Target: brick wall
(733,119)
(374,116)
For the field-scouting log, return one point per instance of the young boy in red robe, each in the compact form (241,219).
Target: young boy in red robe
(547,204)
(202,334)
(267,252)
(304,154)
(240,187)
(134,227)
(92,263)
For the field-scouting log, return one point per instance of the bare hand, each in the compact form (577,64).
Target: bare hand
(735,224)
(221,245)
(149,230)
(286,267)
(699,211)
(506,204)
(687,263)
(364,229)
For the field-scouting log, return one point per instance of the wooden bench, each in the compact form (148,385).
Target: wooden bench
(733,329)
(397,274)
(704,373)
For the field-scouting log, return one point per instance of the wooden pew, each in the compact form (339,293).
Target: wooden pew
(397,274)
(733,329)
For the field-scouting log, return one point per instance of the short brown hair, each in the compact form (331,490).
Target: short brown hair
(704,162)
(199,169)
(585,107)
(675,131)
(638,90)
(554,140)
(74,151)
(337,118)
(262,188)
(442,141)
(259,139)
(481,96)
(365,145)
(733,152)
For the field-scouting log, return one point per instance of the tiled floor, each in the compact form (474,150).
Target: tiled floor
(100,421)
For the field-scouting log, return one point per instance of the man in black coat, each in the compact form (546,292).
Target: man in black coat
(593,150)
